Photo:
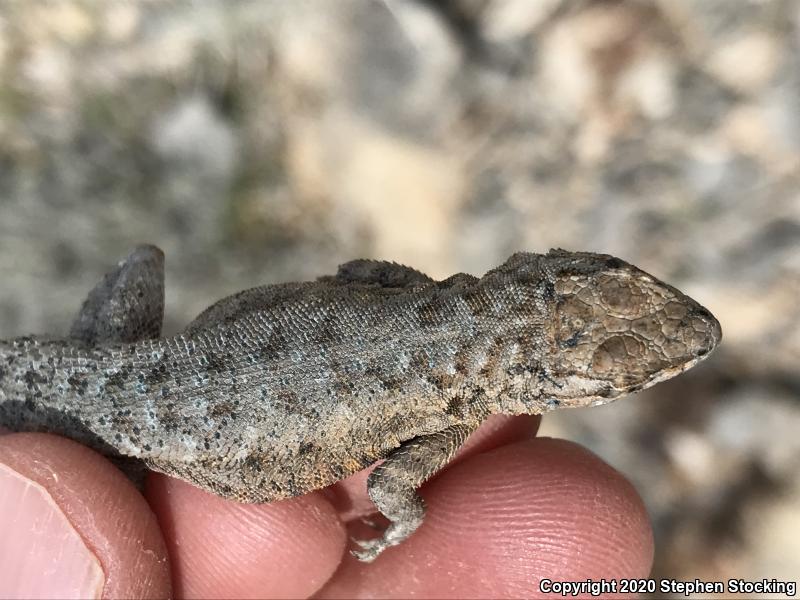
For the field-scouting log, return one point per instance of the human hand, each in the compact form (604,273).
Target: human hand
(506,513)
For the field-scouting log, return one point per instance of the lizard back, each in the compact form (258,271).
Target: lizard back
(280,390)
(318,384)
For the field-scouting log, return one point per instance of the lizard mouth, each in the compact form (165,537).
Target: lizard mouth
(665,374)
(671,372)
(616,390)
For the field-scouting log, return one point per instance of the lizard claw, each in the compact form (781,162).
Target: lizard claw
(369,549)
(372,524)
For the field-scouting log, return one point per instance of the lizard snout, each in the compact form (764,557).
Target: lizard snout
(704,331)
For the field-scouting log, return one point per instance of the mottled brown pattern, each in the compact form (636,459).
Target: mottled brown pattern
(281,390)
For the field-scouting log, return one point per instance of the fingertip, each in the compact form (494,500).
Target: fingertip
(222,548)
(74,526)
(550,508)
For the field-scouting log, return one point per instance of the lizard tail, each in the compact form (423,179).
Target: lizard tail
(38,392)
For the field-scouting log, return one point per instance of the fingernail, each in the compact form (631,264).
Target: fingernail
(41,553)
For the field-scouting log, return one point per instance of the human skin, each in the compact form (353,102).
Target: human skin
(510,510)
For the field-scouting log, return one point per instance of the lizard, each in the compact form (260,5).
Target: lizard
(284,389)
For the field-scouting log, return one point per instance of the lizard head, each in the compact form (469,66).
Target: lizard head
(614,329)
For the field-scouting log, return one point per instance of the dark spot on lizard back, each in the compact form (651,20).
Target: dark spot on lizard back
(274,346)
(463,360)
(33,379)
(342,385)
(221,409)
(440,381)
(478,301)
(158,374)
(328,331)
(388,380)
(455,406)
(78,383)
(306,448)
(429,312)
(252,463)
(548,291)
(213,363)
(168,416)
(117,380)
(420,362)
(437,381)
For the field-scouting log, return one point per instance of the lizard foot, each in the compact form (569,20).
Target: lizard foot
(370,549)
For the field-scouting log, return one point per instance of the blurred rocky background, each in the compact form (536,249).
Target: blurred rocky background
(267,141)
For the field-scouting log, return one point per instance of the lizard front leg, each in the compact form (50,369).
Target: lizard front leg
(392,485)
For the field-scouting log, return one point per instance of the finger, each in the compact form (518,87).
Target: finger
(73,525)
(350,498)
(500,522)
(220,548)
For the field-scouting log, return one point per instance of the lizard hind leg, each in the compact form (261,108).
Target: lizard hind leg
(127,305)
(392,485)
